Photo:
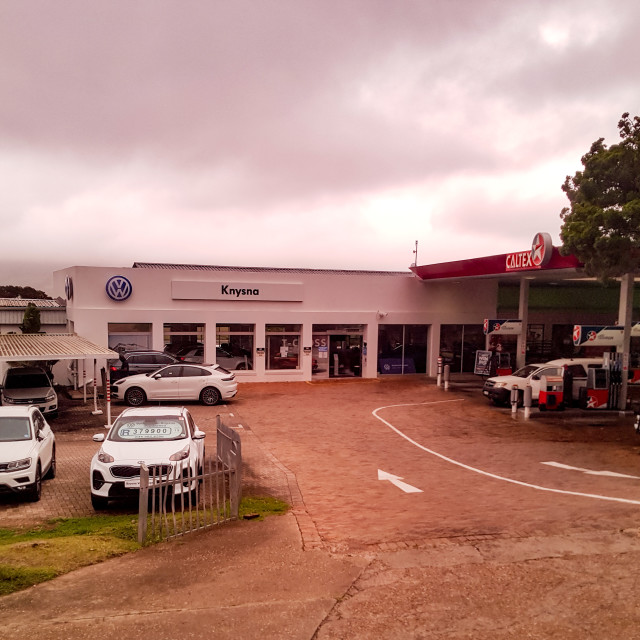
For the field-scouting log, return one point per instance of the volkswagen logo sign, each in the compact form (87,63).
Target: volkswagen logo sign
(68,287)
(119,288)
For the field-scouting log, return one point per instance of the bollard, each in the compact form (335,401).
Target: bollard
(439,378)
(447,373)
(514,400)
(527,400)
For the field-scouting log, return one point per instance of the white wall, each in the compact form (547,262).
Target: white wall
(329,297)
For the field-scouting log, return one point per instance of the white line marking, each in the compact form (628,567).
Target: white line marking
(590,472)
(397,481)
(480,471)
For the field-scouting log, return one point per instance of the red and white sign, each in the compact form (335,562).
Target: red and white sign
(538,257)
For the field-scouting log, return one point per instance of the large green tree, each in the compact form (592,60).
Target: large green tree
(13,291)
(601,227)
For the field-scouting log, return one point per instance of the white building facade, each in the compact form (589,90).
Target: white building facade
(274,324)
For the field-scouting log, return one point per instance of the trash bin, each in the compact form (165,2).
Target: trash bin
(551,393)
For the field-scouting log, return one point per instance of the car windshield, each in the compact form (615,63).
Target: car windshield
(525,372)
(27,381)
(14,429)
(148,428)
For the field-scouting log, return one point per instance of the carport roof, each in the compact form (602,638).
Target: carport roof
(50,346)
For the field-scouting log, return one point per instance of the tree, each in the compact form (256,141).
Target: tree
(13,291)
(602,225)
(31,321)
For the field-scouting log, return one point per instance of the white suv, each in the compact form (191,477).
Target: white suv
(207,383)
(498,388)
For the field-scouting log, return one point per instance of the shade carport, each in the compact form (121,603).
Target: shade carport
(25,347)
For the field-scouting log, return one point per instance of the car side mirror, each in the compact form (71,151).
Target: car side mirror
(98,437)
(198,435)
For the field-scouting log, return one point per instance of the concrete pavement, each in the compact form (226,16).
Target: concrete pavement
(343,564)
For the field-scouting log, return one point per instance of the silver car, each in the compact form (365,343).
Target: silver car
(29,386)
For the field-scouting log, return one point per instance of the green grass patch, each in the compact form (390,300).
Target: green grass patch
(261,506)
(37,554)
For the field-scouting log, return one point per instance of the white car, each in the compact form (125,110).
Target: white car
(165,439)
(27,451)
(498,388)
(207,383)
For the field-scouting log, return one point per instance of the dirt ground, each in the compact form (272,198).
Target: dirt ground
(504,528)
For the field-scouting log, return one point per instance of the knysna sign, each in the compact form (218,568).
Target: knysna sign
(536,258)
(237,291)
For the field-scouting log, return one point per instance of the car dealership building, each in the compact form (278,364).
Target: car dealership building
(305,324)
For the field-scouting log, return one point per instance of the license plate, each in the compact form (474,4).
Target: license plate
(132,483)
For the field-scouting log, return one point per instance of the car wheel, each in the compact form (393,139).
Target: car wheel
(210,396)
(241,366)
(99,503)
(35,491)
(52,469)
(135,396)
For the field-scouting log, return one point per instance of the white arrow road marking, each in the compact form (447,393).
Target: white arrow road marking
(590,472)
(480,471)
(407,488)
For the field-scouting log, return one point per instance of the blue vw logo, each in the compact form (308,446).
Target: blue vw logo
(68,287)
(119,288)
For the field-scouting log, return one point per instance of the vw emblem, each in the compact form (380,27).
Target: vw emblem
(68,287)
(119,288)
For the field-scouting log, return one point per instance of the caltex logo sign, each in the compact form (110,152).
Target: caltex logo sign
(541,249)
(538,257)
(119,288)
(577,333)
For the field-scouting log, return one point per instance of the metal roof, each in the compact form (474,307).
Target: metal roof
(202,267)
(50,346)
(22,303)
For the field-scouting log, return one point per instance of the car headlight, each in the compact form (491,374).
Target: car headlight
(103,456)
(8,400)
(180,455)
(51,396)
(500,384)
(17,465)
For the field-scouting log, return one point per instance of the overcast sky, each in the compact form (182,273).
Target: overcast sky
(327,134)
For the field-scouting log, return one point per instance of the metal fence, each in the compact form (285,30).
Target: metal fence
(179,502)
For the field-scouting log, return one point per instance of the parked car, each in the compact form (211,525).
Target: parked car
(165,439)
(27,451)
(29,386)
(498,388)
(223,358)
(134,362)
(207,383)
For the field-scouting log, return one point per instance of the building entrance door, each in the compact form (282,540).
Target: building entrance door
(345,356)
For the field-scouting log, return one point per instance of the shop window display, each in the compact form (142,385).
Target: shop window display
(283,346)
